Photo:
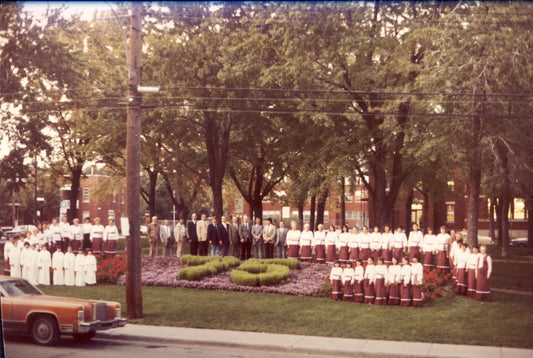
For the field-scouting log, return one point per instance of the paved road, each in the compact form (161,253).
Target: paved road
(16,347)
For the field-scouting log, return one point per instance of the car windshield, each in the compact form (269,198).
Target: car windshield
(19,288)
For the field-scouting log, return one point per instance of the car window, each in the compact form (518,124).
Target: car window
(19,288)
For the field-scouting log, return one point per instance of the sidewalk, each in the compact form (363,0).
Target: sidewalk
(305,344)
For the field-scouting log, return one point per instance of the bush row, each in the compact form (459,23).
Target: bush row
(258,274)
(211,267)
(290,263)
(191,260)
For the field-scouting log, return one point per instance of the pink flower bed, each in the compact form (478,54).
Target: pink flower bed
(163,271)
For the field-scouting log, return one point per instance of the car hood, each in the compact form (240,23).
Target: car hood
(62,300)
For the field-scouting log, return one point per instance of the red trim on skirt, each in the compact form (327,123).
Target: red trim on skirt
(306,254)
(381,292)
(394,294)
(429,259)
(110,247)
(354,254)
(359,293)
(442,260)
(418,298)
(461,286)
(320,252)
(387,256)
(348,291)
(335,289)
(343,254)
(405,295)
(369,291)
(292,252)
(332,254)
(97,245)
(471,283)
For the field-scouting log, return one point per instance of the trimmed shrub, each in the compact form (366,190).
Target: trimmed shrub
(202,266)
(253,266)
(191,260)
(244,278)
(230,261)
(259,273)
(290,263)
(275,275)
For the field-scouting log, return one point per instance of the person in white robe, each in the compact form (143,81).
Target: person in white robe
(32,258)
(58,259)
(68,264)
(79,268)
(25,261)
(90,268)
(14,259)
(44,264)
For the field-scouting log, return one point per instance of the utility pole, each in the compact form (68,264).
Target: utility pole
(133,160)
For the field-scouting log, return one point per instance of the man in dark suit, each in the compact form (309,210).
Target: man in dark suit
(193,238)
(234,239)
(223,237)
(212,238)
(245,233)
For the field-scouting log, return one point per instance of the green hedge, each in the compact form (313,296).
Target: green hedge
(212,265)
(254,273)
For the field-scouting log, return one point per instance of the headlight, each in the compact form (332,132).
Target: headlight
(117,312)
(81,316)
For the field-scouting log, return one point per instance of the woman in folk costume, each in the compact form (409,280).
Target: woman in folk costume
(14,259)
(370,280)
(387,239)
(319,244)
(364,244)
(87,226)
(110,238)
(417,278)
(331,243)
(381,274)
(405,283)
(55,229)
(441,246)
(375,244)
(335,278)
(353,246)
(69,261)
(358,281)
(25,260)
(76,235)
(79,268)
(33,258)
(97,236)
(414,242)
(90,268)
(484,270)
(471,267)
(344,239)
(347,282)
(58,262)
(460,264)
(394,281)
(399,244)
(454,249)
(428,247)
(44,264)
(293,241)
(306,241)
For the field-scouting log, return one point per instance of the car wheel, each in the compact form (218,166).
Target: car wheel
(44,331)
(83,337)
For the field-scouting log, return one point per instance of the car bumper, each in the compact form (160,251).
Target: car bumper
(85,327)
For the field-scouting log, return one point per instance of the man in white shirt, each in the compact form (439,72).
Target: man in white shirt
(164,235)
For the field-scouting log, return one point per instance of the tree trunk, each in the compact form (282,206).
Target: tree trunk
(312,213)
(72,212)
(492,233)
(529,206)
(257,208)
(152,186)
(300,215)
(474,182)
(343,202)
(408,210)
(425,210)
(321,207)
(506,200)
(497,210)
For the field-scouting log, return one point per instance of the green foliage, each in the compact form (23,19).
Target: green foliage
(266,272)
(244,278)
(202,266)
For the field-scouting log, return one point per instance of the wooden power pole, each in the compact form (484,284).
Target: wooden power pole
(134,307)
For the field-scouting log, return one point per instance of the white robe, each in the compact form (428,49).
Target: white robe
(45,261)
(14,261)
(32,258)
(68,263)
(25,262)
(57,265)
(90,269)
(79,267)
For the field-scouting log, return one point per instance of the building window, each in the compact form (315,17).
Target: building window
(451,185)
(86,195)
(358,195)
(84,215)
(450,212)
(348,198)
(519,209)
(111,214)
(354,215)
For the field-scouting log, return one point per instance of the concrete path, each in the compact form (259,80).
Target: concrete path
(306,344)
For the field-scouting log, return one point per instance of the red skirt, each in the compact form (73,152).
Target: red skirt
(417,295)
(483,285)
(442,261)
(343,254)
(97,245)
(413,250)
(354,254)
(320,253)
(376,255)
(405,295)
(398,253)
(429,259)
(358,291)
(306,254)
(335,289)
(293,252)
(461,286)
(364,254)
(75,244)
(381,292)
(471,283)
(348,291)
(387,256)
(394,294)
(369,292)
(332,254)
(110,247)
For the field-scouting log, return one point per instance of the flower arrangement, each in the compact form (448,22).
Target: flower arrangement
(211,266)
(434,283)
(109,269)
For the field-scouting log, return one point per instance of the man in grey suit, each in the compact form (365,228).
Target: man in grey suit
(257,236)
(281,240)
(245,233)
(234,238)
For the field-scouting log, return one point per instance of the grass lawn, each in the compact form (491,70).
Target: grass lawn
(512,275)
(508,321)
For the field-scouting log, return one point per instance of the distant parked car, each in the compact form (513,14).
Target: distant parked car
(5,229)
(20,230)
(26,308)
(481,239)
(519,242)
